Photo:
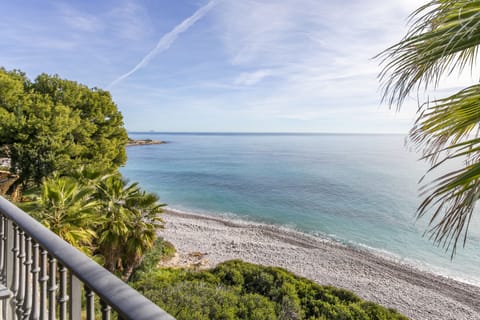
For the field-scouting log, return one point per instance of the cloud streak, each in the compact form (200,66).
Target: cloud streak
(166,41)
(319,62)
(251,78)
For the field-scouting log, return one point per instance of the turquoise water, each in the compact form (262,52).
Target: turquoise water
(357,189)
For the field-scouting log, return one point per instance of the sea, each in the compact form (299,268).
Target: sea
(361,190)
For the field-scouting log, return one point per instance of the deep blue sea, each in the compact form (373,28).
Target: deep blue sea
(360,190)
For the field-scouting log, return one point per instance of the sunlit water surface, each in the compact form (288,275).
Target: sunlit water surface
(357,189)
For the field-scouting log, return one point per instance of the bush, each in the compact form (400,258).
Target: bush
(240,290)
(162,249)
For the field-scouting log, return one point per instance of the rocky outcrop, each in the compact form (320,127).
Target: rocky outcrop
(132,142)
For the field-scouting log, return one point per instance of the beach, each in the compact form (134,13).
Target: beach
(205,241)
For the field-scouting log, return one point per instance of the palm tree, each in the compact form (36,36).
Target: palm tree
(112,194)
(130,222)
(143,229)
(444,37)
(68,209)
(89,176)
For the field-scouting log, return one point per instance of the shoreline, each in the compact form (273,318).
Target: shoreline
(143,142)
(415,293)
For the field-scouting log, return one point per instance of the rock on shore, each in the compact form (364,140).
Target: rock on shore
(132,142)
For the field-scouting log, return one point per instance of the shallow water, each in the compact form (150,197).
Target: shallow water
(357,189)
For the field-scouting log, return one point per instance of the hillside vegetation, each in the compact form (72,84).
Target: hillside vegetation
(240,290)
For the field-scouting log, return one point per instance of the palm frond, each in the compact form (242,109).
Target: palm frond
(445,126)
(452,201)
(445,131)
(444,37)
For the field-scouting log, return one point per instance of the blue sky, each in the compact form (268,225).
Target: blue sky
(222,66)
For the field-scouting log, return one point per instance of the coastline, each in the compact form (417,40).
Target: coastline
(144,142)
(415,293)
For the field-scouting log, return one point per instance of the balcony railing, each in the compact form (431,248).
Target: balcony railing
(41,277)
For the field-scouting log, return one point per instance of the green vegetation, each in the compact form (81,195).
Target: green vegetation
(130,223)
(161,250)
(55,125)
(443,38)
(103,216)
(68,209)
(240,290)
(66,142)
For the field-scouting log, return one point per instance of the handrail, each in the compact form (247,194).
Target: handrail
(125,300)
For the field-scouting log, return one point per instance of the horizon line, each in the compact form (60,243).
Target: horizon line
(268,132)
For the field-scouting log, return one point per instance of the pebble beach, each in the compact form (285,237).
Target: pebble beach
(205,241)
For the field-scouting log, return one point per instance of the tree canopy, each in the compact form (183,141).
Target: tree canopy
(56,125)
(444,37)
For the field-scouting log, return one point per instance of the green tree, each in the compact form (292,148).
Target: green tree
(130,222)
(68,209)
(143,229)
(444,37)
(56,125)
(100,138)
(100,214)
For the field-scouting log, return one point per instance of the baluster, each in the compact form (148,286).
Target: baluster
(21,273)
(27,302)
(14,285)
(63,297)
(105,310)
(3,249)
(10,259)
(75,297)
(52,288)
(90,303)
(35,279)
(43,284)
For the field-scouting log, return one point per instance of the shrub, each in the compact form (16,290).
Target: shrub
(240,290)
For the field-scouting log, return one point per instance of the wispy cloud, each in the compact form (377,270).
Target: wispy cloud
(79,20)
(166,41)
(295,65)
(319,69)
(251,78)
(130,20)
(319,60)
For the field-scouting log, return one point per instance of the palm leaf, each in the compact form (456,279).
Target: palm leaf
(444,37)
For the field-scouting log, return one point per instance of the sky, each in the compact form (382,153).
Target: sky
(219,65)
